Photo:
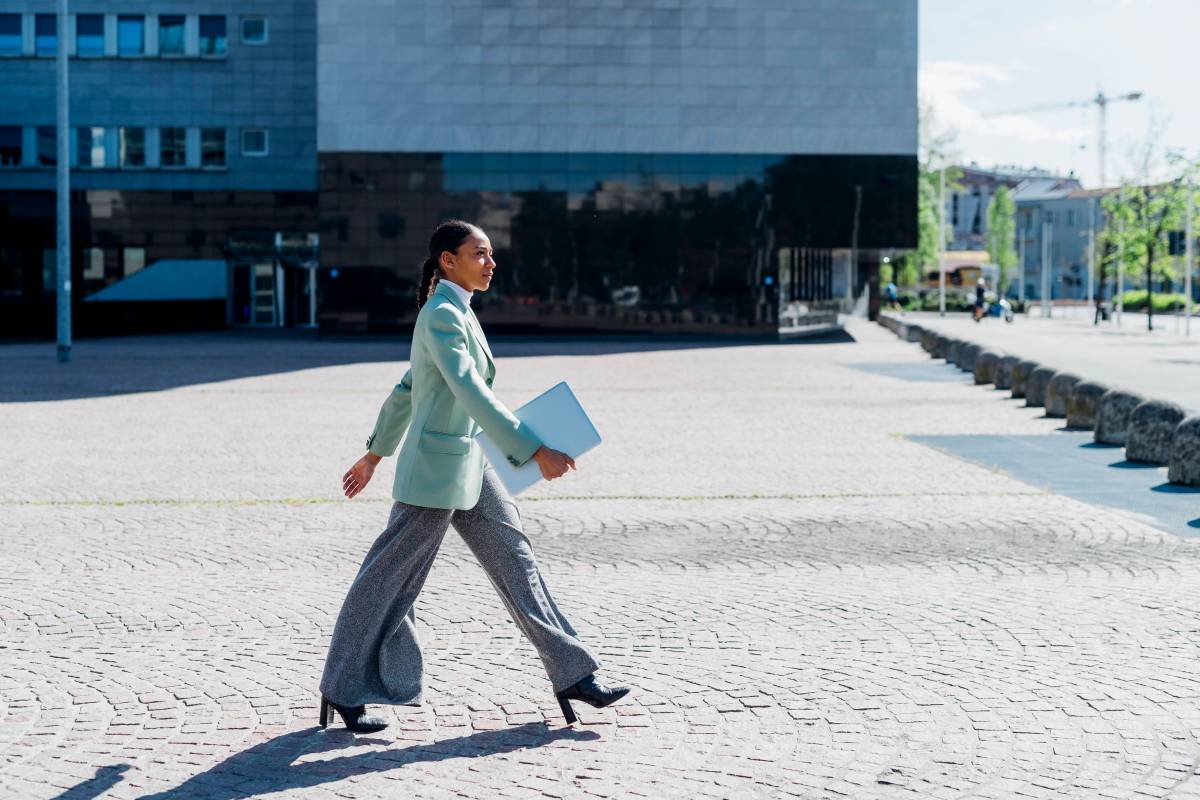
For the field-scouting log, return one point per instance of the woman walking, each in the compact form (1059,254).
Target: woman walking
(443,479)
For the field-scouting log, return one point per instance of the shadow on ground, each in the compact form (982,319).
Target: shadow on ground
(275,765)
(1070,463)
(107,367)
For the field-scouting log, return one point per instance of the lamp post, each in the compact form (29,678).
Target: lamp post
(1187,260)
(62,281)
(942,243)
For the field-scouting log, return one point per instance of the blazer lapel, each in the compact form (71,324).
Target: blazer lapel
(473,324)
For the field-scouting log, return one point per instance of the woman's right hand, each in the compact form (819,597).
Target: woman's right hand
(553,463)
(358,476)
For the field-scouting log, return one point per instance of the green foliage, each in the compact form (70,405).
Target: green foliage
(936,151)
(885,273)
(1135,300)
(1002,212)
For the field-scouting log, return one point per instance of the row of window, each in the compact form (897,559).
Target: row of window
(99,147)
(129,35)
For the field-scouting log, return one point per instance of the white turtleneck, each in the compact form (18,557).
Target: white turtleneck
(460,291)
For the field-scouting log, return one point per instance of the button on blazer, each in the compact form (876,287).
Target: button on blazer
(443,402)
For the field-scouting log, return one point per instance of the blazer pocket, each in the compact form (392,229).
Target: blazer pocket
(454,444)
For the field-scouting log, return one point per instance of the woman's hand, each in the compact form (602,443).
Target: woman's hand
(358,476)
(553,463)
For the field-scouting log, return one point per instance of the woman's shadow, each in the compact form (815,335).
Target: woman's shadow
(270,766)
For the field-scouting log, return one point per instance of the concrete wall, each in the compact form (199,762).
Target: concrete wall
(706,76)
(271,86)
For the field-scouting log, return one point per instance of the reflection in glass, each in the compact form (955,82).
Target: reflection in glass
(47,146)
(172,147)
(45,32)
(212,147)
(212,35)
(170,34)
(133,147)
(10,145)
(10,34)
(89,34)
(92,153)
(131,35)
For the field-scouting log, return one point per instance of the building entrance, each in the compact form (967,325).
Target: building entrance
(273,280)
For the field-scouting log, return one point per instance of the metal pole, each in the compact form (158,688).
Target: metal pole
(942,243)
(1187,261)
(63,277)
(1021,267)
(1120,272)
(1091,293)
(1047,309)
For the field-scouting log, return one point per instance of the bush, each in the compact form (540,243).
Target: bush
(1135,300)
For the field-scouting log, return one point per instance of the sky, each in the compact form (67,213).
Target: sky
(978,57)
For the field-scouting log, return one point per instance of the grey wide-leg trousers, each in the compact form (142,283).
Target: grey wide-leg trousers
(375,657)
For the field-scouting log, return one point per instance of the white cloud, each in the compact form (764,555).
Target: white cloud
(950,86)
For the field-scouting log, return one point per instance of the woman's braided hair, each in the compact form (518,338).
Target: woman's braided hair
(448,236)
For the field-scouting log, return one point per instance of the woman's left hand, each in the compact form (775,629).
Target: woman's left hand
(358,476)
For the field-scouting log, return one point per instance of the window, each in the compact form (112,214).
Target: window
(131,35)
(47,147)
(254,142)
(93,263)
(212,147)
(10,146)
(89,35)
(91,148)
(45,34)
(133,259)
(132,146)
(1048,216)
(173,147)
(170,34)
(1072,218)
(10,34)
(254,30)
(212,36)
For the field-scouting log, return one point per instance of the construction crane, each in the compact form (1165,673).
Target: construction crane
(1101,101)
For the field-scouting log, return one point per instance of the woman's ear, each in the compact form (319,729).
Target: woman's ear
(446,262)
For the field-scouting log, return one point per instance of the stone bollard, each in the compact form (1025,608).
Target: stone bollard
(1185,452)
(1112,418)
(952,348)
(941,346)
(927,340)
(1058,393)
(985,367)
(1150,428)
(1004,371)
(967,355)
(1084,404)
(1036,385)
(1020,376)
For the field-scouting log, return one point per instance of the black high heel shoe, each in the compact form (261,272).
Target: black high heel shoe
(355,717)
(591,692)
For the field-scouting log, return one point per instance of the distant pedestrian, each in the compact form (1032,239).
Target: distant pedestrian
(980,299)
(893,300)
(444,479)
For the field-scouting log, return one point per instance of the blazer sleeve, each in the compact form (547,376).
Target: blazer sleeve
(449,351)
(393,419)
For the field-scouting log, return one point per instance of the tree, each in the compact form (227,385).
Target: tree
(937,151)
(1002,212)
(1143,211)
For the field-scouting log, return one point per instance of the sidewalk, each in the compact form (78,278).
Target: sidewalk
(1159,364)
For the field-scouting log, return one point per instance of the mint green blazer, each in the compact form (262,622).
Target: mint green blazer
(446,399)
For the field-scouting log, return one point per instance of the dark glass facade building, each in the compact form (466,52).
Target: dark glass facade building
(655,242)
(641,167)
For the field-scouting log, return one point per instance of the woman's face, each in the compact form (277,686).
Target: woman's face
(471,265)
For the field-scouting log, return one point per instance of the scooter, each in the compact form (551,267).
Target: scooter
(1001,308)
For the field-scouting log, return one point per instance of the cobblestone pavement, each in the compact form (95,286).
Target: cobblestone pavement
(808,604)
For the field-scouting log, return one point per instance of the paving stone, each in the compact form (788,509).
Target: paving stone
(807,603)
